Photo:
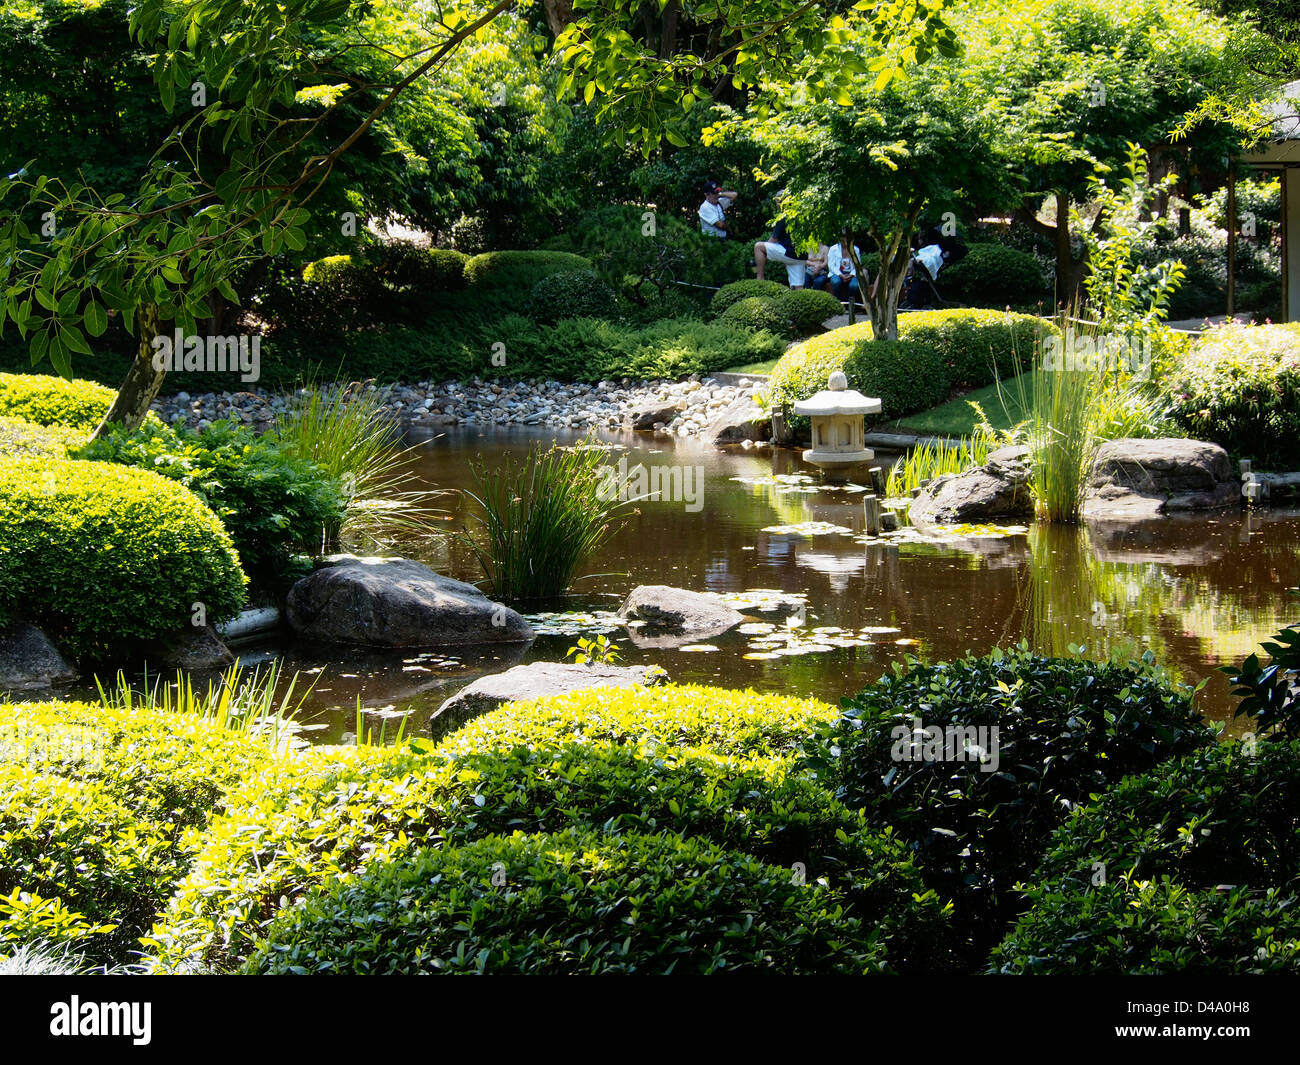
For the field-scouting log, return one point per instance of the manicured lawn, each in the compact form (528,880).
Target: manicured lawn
(957,418)
(754,367)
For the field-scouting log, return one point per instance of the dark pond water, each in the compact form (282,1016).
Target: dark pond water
(1197,593)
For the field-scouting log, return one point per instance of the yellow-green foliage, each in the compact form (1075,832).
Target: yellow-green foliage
(49,400)
(805,368)
(94,807)
(703,762)
(331,268)
(19,437)
(101,555)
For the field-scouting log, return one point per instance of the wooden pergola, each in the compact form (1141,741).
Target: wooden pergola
(1282,155)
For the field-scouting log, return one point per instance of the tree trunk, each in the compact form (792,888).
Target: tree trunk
(1069,271)
(559,13)
(142,383)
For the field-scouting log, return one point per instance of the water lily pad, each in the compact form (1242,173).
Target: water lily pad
(755,655)
(698,647)
(808,528)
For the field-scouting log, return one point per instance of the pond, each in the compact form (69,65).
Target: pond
(1197,593)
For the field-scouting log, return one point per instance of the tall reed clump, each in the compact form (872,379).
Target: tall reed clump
(1091,386)
(935,458)
(346,431)
(539,520)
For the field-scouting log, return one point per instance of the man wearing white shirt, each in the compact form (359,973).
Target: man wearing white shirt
(713,212)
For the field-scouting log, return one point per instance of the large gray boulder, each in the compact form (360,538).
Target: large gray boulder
(738,422)
(396,602)
(998,490)
(29,661)
(535,681)
(676,610)
(1138,479)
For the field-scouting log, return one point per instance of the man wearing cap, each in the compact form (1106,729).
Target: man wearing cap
(713,212)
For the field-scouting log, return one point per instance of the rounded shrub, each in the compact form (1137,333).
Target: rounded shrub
(94,805)
(729,295)
(21,438)
(905,375)
(1239,386)
(409,269)
(1135,927)
(979,347)
(807,309)
(996,276)
(337,292)
(974,762)
(758,313)
(805,368)
(571,903)
(48,400)
(572,294)
(101,556)
(519,270)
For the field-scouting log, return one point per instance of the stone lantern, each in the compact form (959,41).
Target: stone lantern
(838,433)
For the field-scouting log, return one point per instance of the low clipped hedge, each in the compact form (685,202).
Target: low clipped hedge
(729,295)
(962,348)
(1135,927)
(411,270)
(47,400)
(519,270)
(338,811)
(21,438)
(807,309)
(94,807)
(101,556)
(572,294)
(1239,386)
(758,312)
(994,275)
(571,903)
(1066,728)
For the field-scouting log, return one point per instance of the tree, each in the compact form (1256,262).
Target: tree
(263,83)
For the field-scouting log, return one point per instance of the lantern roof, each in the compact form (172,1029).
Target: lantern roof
(837,398)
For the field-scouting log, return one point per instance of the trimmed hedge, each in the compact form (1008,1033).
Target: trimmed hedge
(1239,386)
(758,313)
(729,295)
(979,347)
(21,438)
(905,375)
(101,556)
(48,400)
(572,294)
(571,903)
(994,275)
(807,309)
(1065,729)
(519,270)
(94,806)
(337,811)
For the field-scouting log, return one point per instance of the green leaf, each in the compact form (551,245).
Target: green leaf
(96,319)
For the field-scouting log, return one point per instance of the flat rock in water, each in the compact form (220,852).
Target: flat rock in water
(396,602)
(535,681)
(29,661)
(193,648)
(672,612)
(1134,480)
(739,422)
(997,490)
(651,414)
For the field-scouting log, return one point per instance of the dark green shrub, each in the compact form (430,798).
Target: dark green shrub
(101,556)
(978,347)
(1065,729)
(408,269)
(572,294)
(807,309)
(519,270)
(679,348)
(93,806)
(573,902)
(757,313)
(905,375)
(996,276)
(1239,386)
(1270,694)
(274,505)
(729,295)
(1150,928)
(48,400)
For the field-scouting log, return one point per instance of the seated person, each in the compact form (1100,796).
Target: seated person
(817,275)
(780,249)
(843,276)
(713,212)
